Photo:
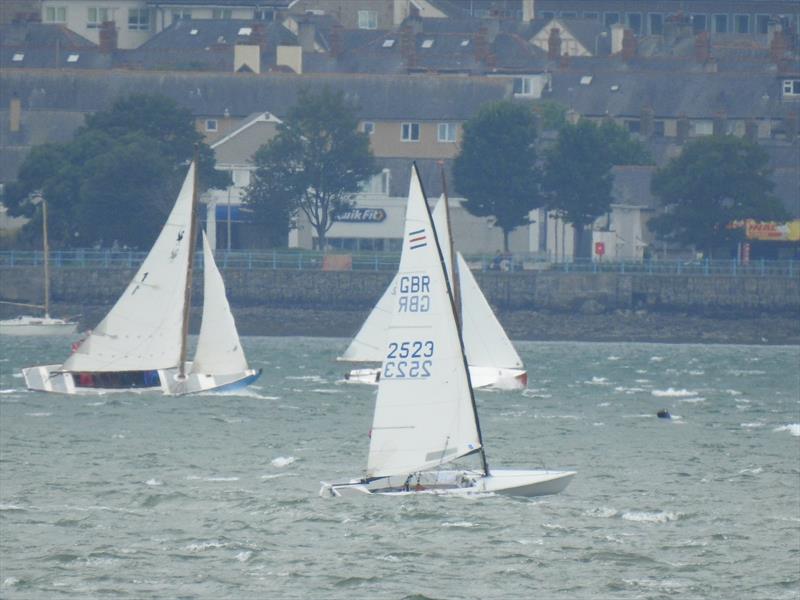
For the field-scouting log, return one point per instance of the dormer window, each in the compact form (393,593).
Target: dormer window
(586,80)
(427,43)
(193,32)
(73,58)
(18,57)
(388,43)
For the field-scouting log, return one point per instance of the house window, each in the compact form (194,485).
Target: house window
(264,14)
(548,15)
(702,127)
(655,24)
(569,15)
(139,19)
(523,86)
(55,14)
(699,23)
(720,23)
(633,125)
(377,184)
(181,13)
(221,13)
(591,15)
(368,127)
(741,23)
(211,124)
(611,18)
(410,132)
(658,128)
(367,19)
(635,22)
(447,132)
(762,24)
(96,16)
(791,87)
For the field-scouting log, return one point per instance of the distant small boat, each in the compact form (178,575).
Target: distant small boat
(141,344)
(425,414)
(39,326)
(663,414)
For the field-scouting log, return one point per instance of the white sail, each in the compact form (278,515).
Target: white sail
(219,350)
(143,329)
(368,343)
(424,414)
(485,339)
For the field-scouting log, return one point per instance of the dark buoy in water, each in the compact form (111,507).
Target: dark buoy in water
(664,414)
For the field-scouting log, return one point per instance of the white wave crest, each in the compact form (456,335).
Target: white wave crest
(650,517)
(244,555)
(459,524)
(39,414)
(153,482)
(282,461)
(753,425)
(694,400)
(601,512)
(793,428)
(673,393)
(201,546)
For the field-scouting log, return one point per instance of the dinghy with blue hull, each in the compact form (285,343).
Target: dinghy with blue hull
(141,344)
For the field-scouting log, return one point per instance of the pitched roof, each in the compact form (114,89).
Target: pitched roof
(379,97)
(223,3)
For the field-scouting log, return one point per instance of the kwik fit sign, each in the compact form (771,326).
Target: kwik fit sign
(361,215)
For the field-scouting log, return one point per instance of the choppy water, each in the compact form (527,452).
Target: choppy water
(131,496)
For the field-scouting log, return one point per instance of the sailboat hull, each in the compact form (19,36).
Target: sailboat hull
(51,378)
(522,483)
(37,326)
(481,377)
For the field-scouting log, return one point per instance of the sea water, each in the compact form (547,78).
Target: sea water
(216,496)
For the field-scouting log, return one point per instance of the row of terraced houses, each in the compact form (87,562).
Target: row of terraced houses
(668,70)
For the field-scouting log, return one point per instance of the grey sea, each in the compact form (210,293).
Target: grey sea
(216,496)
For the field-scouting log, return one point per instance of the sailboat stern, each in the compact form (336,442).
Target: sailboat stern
(194,383)
(527,483)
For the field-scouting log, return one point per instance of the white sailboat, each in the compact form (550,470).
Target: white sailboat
(425,414)
(141,344)
(493,361)
(45,325)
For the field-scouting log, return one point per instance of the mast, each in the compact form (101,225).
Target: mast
(46,247)
(187,292)
(484,462)
(453,263)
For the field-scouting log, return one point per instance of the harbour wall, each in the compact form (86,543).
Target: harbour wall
(587,293)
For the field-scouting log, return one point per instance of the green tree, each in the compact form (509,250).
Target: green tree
(621,148)
(116,179)
(316,163)
(551,115)
(496,168)
(716,180)
(578,177)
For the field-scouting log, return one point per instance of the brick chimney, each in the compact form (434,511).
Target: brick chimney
(778,46)
(554,44)
(702,47)
(629,45)
(108,37)
(258,35)
(336,40)
(306,34)
(14,114)
(408,48)
(647,122)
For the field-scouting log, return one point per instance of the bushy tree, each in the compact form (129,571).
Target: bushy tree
(116,179)
(496,168)
(621,148)
(715,181)
(578,177)
(315,164)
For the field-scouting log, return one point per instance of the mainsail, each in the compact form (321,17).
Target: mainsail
(219,350)
(424,413)
(143,329)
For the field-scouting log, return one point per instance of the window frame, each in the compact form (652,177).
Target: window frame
(450,130)
(407,130)
(368,127)
(368,19)
(607,18)
(224,14)
(748,28)
(659,17)
(55,10)
(525,86)
(209,128)
(139,25)
(697,16)
(791,88)
(761,18)
(715,25)
(97,22)
(638,30)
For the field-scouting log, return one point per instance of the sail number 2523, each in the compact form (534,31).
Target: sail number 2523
(408,360)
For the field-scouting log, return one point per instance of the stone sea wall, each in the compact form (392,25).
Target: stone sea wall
(531,305)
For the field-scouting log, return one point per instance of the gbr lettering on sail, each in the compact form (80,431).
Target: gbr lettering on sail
(410,358)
